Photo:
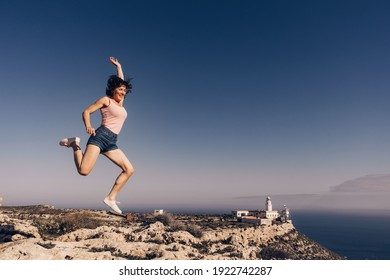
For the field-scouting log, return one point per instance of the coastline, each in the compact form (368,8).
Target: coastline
(44,232)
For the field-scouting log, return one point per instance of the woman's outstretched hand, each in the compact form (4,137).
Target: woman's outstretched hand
(115,61)
(118,67)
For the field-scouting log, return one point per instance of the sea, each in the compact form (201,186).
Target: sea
(353,235)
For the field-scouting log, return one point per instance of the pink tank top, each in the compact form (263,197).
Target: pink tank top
(113,117)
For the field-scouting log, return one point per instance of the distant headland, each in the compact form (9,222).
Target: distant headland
(45,233)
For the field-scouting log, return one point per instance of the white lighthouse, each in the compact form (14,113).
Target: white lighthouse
(264,217)
(285,214)
(268,204)
(268,213)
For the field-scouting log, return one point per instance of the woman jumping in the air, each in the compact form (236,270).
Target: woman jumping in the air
(103,140)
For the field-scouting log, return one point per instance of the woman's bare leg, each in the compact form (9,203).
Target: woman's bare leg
(120,159)
(85,162)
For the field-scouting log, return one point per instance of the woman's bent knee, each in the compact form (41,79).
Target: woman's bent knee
(83,171)
(129,170)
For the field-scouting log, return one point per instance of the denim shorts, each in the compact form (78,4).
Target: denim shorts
(105,139)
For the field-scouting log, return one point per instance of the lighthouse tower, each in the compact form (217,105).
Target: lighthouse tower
(268,204)
(285,214)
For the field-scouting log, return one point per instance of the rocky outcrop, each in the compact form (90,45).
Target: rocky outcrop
(15,229)
(45,233)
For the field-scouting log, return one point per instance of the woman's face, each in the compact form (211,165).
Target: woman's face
(119,93)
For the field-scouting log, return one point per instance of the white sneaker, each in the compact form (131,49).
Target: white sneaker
(68,142)
(112,205)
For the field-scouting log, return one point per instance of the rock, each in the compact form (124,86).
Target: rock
(22,228)
(46,233)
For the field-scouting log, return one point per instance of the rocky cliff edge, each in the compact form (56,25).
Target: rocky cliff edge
(46,233)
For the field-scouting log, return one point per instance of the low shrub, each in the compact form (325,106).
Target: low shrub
(169,220)
(65,223)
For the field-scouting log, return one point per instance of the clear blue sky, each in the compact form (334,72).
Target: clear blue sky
(232,101)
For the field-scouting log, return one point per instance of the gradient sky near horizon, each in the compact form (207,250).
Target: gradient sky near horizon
(232,101)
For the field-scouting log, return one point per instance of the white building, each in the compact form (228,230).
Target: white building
(263,217)
(285,214)
(256,221)
(1,201)
(240,213)
(158,212)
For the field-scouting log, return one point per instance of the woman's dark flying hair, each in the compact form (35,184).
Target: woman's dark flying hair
(114,82)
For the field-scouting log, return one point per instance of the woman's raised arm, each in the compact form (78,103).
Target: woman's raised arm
(118,67)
